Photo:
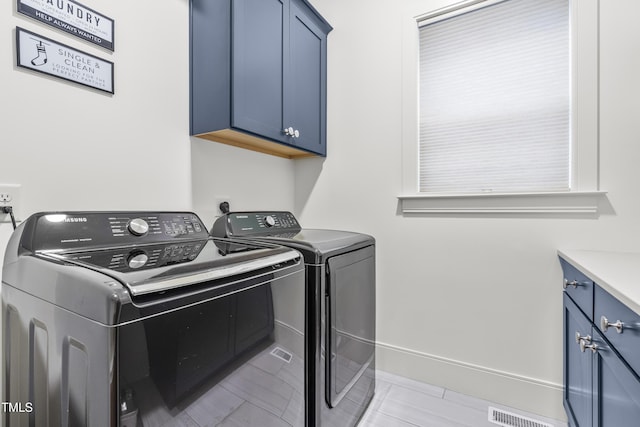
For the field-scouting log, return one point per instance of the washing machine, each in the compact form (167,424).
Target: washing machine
(340,306)
(141,319)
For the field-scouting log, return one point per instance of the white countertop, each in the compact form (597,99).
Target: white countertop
(616,272)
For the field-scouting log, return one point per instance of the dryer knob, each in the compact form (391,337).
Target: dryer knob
(137,260)
(269,221)
(138,227)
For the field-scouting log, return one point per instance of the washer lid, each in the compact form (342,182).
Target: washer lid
(154,268)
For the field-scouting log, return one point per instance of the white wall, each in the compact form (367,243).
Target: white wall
(253,181)
(469,303)
(71,147)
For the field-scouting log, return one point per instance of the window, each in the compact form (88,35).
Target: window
(494,99)
(498,125)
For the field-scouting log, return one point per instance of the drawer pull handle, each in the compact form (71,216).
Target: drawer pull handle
(605,324)
(593,347)
(566,283)
(580,338)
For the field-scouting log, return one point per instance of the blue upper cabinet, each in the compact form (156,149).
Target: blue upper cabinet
(258,75)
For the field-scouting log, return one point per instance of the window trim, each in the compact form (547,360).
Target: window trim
(561,203)
(585,195)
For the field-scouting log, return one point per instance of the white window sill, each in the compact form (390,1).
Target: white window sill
(576,203)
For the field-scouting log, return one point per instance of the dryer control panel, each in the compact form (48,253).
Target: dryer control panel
(263,223)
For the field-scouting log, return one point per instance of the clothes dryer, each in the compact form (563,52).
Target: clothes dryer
(341,301)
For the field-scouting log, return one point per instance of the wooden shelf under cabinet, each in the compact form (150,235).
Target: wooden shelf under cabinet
(249,142)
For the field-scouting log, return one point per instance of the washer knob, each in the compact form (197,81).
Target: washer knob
(269,221)
(137,259)
(138,227)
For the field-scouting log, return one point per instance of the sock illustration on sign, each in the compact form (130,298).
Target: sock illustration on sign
(41,59)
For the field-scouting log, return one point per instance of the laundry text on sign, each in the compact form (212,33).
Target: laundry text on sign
(73,9)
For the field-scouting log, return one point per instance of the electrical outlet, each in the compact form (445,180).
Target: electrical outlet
(220,199)
(10,196)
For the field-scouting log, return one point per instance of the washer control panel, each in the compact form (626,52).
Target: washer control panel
(140,258)
(71,230)
(244,224)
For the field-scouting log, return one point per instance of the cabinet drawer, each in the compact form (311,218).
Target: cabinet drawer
(579,287)
(627,341)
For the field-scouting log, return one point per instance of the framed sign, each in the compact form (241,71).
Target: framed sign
(46,56)
(72,17)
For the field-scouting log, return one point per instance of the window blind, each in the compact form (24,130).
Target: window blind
(495,96)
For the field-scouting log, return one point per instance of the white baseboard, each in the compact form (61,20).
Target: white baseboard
(533,395)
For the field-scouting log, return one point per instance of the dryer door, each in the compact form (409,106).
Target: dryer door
(351,317)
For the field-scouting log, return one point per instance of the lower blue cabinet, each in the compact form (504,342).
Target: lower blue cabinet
(601,389)
(616,388)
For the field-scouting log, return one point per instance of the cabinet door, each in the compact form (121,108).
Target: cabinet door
(616,389)
(305,77)
(577,367)
(260,31)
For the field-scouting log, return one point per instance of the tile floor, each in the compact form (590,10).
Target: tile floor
(401,402)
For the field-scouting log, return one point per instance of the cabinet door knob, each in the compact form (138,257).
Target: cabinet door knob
(580,338)
(566,283)
(295,133)
(605,324)
(584,346)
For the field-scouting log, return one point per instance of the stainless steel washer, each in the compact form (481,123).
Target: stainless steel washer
(137,319)
(341,290)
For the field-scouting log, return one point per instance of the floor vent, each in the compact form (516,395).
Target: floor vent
(281,354)
(508,419)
